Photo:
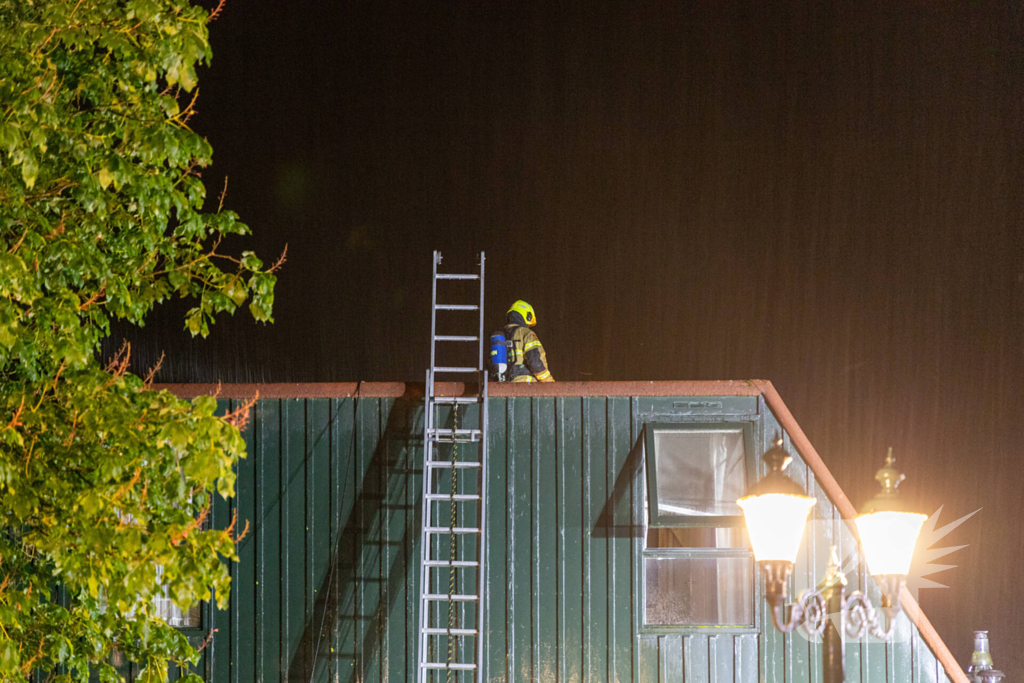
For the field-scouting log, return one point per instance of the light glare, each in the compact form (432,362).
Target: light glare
(888,539)
(775,524)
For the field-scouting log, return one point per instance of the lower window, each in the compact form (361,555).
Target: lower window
(691,588)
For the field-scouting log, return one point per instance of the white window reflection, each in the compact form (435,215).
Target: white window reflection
(700,473)
(171,613)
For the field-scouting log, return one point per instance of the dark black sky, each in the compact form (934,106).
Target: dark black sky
(825,196)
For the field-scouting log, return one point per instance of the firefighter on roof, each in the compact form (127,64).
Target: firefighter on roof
(527,359)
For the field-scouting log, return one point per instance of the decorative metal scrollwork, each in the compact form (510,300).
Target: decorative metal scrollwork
(860,618)
(813,608)
(808,611)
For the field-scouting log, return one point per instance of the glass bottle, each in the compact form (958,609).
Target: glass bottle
(981,669)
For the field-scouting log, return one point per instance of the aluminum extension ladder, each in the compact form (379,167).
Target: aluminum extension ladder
(452,551)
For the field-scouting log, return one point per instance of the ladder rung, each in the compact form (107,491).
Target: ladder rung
(454,598)
(447,464)
(453,276)
(443,665)
(451,530)
(442,438)
(457,307)
(453,400)
(455,369)
(457,432)
(451,563)
(450,631)
(457,496)
(455,337)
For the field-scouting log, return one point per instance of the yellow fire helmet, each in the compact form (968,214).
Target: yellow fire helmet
(526,310)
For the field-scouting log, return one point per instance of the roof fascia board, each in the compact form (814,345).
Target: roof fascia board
(415,389)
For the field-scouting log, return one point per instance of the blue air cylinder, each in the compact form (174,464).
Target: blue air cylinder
(499,351)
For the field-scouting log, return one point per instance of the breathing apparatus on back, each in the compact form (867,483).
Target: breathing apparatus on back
(500,347)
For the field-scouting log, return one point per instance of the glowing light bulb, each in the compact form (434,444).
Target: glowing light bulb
(775,524)
(888,538)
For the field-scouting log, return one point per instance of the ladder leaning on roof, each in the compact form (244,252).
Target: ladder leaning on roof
(453,644)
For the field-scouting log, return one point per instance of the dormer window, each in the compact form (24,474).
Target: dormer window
(697,566)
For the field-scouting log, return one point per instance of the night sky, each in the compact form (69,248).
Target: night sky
(828,197)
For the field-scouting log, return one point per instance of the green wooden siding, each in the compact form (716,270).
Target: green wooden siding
(327,585)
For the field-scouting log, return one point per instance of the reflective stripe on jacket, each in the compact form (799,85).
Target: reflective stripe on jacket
(529,355)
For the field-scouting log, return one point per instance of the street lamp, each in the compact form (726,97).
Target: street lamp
(776,510)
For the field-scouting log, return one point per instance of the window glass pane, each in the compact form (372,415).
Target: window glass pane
(172,614)
(699,472)
(699,591)
(699,537)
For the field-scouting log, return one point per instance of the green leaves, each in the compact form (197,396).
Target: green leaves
(105,177)
(10,659)
(104,483)
(29,169)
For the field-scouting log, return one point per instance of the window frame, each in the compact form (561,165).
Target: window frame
(751,427)
(669,521)
(689,629)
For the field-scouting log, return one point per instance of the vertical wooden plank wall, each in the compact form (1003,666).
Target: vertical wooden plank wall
(517,574)
(495,585)
(618,529)
(344,537)
(595,557)
(570,456)
(327,585)
(655,661)
(545,539)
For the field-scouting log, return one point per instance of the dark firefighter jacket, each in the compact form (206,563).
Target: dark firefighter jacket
(530,363)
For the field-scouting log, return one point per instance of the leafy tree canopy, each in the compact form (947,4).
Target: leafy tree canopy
(104,483)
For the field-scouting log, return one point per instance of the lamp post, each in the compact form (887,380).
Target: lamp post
(776,510)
